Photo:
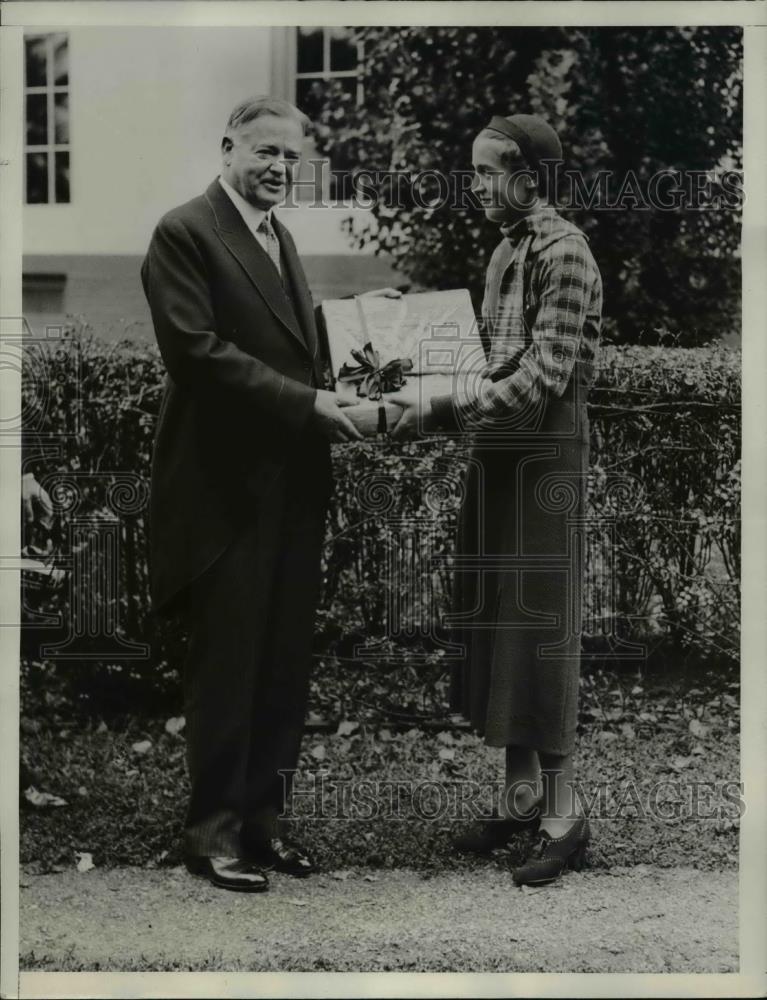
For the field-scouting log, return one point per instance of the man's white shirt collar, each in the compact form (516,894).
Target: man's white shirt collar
(252,216)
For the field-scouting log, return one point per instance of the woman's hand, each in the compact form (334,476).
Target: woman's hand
(417,417)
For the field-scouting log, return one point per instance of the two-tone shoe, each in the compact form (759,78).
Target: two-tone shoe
(550,856)
(235,874)
(281,855)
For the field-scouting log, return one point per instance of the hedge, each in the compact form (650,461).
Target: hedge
(663,567)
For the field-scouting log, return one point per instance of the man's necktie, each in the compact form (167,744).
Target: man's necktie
(272,243)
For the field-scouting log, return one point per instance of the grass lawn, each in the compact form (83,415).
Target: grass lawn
(658,765)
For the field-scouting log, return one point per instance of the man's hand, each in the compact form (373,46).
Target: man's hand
(417,417)
(329,418)
(382,293)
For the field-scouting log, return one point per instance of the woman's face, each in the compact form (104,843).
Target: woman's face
(505,189)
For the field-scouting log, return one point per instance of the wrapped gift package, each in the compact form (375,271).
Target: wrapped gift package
(380,416)
(377,344)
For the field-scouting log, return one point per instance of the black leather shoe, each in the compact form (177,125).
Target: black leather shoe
(281,855)
(237,874)
(495,833)
(552,855)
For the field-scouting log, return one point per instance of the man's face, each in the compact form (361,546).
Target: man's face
(260,159)
(504,190)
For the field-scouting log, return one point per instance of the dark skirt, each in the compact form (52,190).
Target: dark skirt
(519,580)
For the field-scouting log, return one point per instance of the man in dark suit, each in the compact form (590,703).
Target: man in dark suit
(241,477)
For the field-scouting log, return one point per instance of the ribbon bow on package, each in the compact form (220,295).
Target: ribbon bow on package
(426,335)
(371,378)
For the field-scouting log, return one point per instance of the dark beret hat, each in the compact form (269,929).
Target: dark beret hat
(535,137)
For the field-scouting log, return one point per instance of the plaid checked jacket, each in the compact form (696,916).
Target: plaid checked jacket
(541,315)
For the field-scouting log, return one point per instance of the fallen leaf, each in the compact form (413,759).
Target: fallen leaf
(175,724)
(102,727)
(607,736)
(299,902)
(628,730)
(346,727)
(341,876)
(725,824)
(679,763)
(42,800)
(370,878)
(84,861)
(698,729)
(318,752)
(142,746)
(447,753)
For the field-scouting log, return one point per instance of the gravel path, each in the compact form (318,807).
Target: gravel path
(637,919)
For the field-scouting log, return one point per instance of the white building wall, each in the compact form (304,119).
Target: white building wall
(148,109)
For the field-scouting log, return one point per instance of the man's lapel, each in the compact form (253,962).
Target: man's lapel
(253,259)
(294,273)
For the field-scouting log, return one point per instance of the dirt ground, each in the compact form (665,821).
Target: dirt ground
(638,919)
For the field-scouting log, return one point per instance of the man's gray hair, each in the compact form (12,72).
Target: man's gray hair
(253,107)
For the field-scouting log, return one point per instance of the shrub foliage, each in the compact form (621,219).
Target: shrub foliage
(663,528)
(629,103)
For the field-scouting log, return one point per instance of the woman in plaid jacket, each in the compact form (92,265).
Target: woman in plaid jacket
(520,558)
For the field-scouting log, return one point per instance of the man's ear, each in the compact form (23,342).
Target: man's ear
(226,145)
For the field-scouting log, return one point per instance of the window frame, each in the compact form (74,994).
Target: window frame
(327,72)
(285,77)
(50,90)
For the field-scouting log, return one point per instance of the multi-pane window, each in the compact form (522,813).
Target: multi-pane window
(328,76)
(46,110)
(324,55)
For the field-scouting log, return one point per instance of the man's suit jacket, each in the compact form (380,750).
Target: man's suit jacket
(241,350)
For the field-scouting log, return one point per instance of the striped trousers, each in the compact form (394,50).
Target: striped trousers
(246,677)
